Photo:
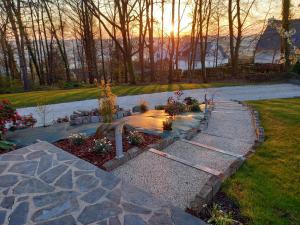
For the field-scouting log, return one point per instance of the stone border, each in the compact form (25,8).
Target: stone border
(259,130)
(135,151)
(210,189)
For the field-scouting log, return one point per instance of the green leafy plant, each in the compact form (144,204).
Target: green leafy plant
(167,125)
(296,68)
(107,103)
(135,138)
(77,139)
(195,108)
(219,217)
(190,101)
(102,146)
(6,145)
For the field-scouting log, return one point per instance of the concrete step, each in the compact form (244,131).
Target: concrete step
(232,145)
(225,164)
(165,178)
(214,149)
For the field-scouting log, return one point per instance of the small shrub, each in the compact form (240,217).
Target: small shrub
(28,121)
(160,107)
(296,68)
(167,125)
(6,145)
(77,139)
(107,103)
(135,138)
(175,108)
(190,101)
(102,146)
(144,106)
(195,108)
(219,217)
(10,118)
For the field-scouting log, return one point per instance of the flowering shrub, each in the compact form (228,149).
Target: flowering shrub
(291,40)
(135,138)
(77,139)
(7,115)
(28,121)
(174,108)
(102,146)
(178,94)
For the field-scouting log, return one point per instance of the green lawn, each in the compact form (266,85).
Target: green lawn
(57,96)
(267,187)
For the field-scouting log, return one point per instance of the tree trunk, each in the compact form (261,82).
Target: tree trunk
(286,48)
(172,50)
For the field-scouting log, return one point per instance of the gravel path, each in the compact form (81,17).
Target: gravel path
(250,92)
(181,171)
(166,179)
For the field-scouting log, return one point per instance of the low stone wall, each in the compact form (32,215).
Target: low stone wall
(85,117)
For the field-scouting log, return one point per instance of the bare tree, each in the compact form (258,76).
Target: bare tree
(237,18)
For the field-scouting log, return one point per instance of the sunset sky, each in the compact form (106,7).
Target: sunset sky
(257,14)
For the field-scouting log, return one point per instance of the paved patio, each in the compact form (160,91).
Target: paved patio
(41,184)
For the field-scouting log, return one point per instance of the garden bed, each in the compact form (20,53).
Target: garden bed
(84,151)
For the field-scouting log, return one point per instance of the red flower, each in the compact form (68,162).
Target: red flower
(5,101)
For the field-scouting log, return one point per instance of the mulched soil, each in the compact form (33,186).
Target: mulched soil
(83,151)
(227,205)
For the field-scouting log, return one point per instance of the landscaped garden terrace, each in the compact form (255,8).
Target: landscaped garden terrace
(97,143)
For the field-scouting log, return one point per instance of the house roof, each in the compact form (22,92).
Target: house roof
(270,40)
(211,48)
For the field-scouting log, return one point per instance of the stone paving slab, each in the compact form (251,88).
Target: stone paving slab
(237,125)
(202,156)
(165,178)
(43,185)
(50,134)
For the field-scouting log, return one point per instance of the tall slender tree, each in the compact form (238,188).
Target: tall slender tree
(285,45)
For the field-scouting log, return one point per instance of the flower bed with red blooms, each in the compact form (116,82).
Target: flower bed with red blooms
(84,151)
(8,115)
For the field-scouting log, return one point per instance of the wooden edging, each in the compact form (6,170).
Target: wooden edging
(185,162)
